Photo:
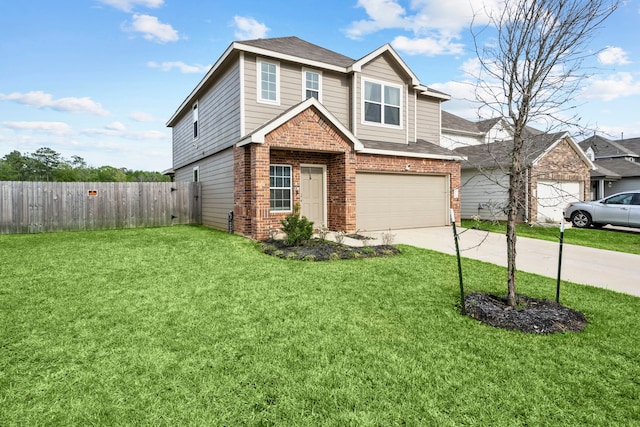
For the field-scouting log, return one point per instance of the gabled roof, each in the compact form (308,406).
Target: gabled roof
(258,135)
(296,50)
(357,66)
(606,148)
(498,153)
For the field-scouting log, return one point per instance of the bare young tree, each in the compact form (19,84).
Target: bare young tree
(530,73)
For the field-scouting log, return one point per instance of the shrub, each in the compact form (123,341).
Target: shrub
(388,238)
(296,228)
(339,236)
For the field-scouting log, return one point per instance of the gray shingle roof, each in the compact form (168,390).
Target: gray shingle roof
(420,147)
(620,167)
(498,153)
(606,148)
(302,49)
(453,122)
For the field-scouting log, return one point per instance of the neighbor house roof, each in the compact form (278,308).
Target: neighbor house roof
(457,123)
(498,153)
(606,148)
(618,167)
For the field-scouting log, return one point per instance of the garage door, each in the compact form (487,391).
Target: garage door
(553,197)
(397,201)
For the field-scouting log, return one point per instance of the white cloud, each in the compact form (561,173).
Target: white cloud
(426,46)
(140,116)
(612,55)
(618,85)
(248,28)
(152,29)
(181,66)
(52,128)
(116,126)
(128,5)
(41,99)
(433,24)
(383,14)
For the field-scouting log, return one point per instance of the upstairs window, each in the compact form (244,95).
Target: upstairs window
(268,82)
(382,103)
(195,120)
(280,188)
(312,84)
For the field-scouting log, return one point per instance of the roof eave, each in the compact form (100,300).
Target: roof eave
(410,154)
(357,66)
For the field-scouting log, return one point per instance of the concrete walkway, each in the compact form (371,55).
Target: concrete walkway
(616,271)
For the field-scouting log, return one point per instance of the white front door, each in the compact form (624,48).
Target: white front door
(312,194)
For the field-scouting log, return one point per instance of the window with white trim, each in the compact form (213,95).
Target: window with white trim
(312,84)
(280,188)
(268,81)
(196,173)
(195,120)
(381,103)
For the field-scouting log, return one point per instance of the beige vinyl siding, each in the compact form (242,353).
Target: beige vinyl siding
(336,90)
(335,93)
(381,69)
(216,183)
(484,194)
(218,120)
(397,201)
(428,121)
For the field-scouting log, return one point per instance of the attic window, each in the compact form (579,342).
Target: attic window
(381,103)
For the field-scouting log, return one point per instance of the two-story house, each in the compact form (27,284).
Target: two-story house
(279,122)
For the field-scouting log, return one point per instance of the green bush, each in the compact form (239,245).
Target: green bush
(296,228)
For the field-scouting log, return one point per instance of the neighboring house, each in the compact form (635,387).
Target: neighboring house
(279,122)
(557,170)
(617,163)
(458,132)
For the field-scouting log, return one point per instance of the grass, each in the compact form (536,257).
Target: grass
(191,326)
(612,240)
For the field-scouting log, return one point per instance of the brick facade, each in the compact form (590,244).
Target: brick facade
(309,139)
(562,163)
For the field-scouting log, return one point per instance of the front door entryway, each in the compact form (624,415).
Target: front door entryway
(312,194)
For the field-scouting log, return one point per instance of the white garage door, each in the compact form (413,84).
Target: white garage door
(397,201)
(553,197)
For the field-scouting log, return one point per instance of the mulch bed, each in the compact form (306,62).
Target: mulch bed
(324,250)
(532,315)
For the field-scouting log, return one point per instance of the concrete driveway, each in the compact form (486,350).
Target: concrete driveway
(616,271)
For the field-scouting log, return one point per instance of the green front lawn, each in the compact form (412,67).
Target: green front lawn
(191,326)
(612,240)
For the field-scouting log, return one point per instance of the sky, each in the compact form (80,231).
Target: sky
(100,78)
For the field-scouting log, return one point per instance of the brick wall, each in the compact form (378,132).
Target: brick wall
(309,139)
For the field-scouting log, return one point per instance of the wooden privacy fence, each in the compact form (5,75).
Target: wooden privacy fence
(37,207)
